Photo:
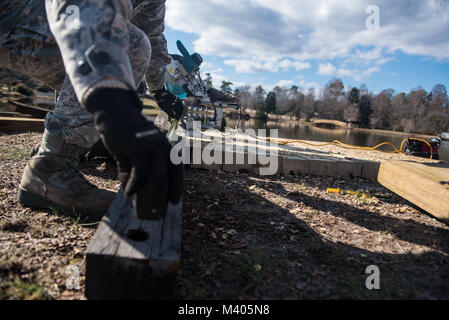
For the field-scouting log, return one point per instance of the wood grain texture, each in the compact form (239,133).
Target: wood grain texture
(15,124)
(118,267)
(424,184)
(34,111)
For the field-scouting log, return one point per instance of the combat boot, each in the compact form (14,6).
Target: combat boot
(51,180)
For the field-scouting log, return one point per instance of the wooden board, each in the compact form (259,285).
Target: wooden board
(424,184)
(118,267)
(15,124)
(34,111)
(12,114)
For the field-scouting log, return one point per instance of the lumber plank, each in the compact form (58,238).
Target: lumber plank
(16,124)
(12,114)
(118,267)
(34,111)
(424,184)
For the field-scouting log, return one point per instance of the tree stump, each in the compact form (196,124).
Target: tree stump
(130,258)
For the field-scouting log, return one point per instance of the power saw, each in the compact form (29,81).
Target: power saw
(183,79)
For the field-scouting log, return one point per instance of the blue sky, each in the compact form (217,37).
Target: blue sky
(306,43)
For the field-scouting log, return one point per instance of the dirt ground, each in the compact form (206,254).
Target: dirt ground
(244,237)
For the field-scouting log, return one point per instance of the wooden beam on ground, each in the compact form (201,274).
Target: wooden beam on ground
(424,184)
(34,111)
(12,114)
(133,259)
(15,124)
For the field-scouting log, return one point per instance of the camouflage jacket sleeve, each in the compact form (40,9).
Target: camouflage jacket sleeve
(149,16)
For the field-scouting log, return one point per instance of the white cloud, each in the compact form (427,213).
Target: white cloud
(369,55)
(269,65)
(285,83)
(217,70)
(262,35)
(365,73)
(239,84)
(216,78)
(367,58)
(297,65)
(326,69)
(306,85)
(248,66)
(303,86)
(207,65)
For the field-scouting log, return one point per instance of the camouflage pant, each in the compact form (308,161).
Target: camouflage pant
(30,48)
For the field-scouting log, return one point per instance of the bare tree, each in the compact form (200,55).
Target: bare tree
(244,96)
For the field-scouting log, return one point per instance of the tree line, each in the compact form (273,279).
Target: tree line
(418,111)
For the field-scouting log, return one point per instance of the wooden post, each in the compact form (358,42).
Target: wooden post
(130,258)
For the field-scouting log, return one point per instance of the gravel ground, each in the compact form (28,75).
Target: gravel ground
(244,237)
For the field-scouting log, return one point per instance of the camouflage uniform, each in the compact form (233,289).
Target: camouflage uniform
(107,47)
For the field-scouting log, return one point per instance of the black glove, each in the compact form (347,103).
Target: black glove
(142,152)
(168,102)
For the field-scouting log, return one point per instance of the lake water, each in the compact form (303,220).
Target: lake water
(294,130)
(355,136)
(364,138)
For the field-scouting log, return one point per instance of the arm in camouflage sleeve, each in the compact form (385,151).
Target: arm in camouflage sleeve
(95,53)
(149,16)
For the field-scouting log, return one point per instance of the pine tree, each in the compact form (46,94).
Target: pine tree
(270,103)
(226,86)
(354,96)
(365,111)
(208,81)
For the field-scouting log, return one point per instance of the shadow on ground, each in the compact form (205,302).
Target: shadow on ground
(247,237)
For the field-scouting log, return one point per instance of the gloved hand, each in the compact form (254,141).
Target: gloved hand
(168,102)
(141,151)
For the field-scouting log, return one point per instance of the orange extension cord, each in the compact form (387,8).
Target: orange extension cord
(348,146)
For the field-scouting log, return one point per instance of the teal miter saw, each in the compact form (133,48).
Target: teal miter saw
(182,74)
(183,79)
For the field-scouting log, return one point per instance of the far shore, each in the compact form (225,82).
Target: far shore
(289,120)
